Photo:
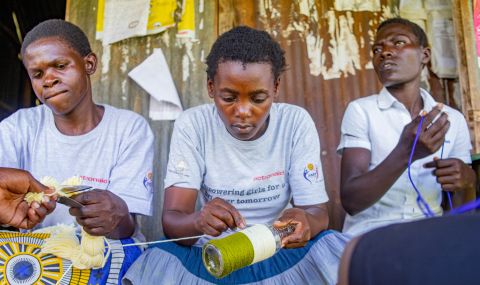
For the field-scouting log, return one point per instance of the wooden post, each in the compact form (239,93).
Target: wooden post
(233,13)
(468,67)
(468,72)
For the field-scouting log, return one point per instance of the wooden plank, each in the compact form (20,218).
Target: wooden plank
(468,70)
(226,15)
(245,13)
(232,13)
(67,9)
(468,67)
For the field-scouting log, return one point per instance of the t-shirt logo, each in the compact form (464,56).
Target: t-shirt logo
(179,166)
(310,173)
(148,181)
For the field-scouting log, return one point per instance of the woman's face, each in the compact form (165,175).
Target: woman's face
(397,56)
(59,74)
(243,95)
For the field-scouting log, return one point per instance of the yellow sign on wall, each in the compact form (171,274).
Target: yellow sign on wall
(161,16)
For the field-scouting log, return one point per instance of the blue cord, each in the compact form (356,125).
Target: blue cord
(466,207)
(449,195)
(422,204)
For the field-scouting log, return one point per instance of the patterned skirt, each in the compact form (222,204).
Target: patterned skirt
(170,263)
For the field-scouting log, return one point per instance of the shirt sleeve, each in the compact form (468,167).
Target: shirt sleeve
(186,164)
(305,174)
(462,144)
(10,148)
(132,178)
(354,129)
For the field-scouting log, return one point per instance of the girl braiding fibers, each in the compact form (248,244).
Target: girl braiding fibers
(63,242)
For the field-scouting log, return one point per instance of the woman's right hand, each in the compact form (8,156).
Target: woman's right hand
(431,135)
(217,216)
(14,211)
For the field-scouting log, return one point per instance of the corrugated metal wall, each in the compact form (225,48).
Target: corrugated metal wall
(328,53)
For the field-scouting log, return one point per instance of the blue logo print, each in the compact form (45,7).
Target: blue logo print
(148,181)
(310,173)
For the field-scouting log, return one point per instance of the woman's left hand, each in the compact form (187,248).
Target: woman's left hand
(14,211)
(102,212)
(453,174)
(298,218)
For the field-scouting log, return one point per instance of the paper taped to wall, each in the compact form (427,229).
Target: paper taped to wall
(154,76)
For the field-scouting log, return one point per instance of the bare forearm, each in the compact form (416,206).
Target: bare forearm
(471,188)
(177,224)
(318,219)
(362,191)
(469,191)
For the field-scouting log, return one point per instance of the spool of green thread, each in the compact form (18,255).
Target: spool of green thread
(234,252)
(259,242)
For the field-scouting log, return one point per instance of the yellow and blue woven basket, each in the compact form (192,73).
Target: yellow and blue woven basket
(21,262)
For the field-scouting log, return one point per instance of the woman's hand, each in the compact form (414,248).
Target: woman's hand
(298,218)
(103,213)
(432,133)
(453,174)
(217,216)
(14,211)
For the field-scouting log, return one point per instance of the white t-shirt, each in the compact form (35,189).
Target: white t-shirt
(375,123)
(116,155)
(257,177)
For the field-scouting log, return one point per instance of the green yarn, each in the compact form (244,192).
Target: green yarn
(234,251)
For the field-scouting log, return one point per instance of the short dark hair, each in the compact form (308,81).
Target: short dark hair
(246,45)
(416,29)
(68,32)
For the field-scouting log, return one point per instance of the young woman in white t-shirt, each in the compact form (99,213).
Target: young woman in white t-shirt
(249,160)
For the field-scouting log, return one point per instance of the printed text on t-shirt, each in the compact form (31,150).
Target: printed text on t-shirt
(271,193)
(268,176)
(94,179)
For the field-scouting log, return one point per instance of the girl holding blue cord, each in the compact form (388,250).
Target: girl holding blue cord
(400,149)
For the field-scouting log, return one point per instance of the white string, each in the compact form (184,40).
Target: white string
(162,241)
(66,271)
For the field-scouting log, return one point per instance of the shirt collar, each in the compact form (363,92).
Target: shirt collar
(428,101)
(386,100)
